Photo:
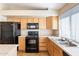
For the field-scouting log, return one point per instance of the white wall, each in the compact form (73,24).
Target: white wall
(41,32)
(29,12)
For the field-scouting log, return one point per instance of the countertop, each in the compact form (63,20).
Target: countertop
(39,36)
(72,51)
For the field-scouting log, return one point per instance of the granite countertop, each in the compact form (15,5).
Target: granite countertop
(72,51)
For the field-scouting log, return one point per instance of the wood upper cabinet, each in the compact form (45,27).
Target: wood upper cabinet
(33,20)
(21,42)
(36,20)
(49,22)
(55,22)
(23,23)
(30,19)
(14,18)
(42,23)
(52,22)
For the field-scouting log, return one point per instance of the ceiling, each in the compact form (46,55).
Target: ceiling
(32,6)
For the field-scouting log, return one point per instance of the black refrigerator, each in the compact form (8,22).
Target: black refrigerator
(7,33)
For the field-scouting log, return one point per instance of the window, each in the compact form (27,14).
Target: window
(75,27)
(65,27)
(69,24)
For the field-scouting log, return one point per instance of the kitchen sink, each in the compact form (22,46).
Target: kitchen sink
(66,43)
(71,45)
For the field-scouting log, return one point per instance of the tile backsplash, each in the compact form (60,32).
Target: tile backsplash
(41,32)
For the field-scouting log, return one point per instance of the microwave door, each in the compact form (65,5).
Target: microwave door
(33,27)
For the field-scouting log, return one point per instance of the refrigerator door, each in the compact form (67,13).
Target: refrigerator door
(0,34)
(7,33)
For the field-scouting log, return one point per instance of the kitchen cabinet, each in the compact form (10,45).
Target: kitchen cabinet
(55,22)
(36,20)
(53,49)
(52,22)
(57,50)
(24,23)
(50,47)
(21,42)
(49,22)
(30,19)
(42,23)
(42,44)
(13,19)
(33,20)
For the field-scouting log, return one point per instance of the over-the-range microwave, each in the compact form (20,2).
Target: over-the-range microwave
(32,25)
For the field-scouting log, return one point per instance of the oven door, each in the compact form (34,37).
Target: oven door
(31,41)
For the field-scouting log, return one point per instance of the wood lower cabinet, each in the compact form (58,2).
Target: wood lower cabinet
(21,42)
(53,49)
(50,47)
(42,44)
(57,50)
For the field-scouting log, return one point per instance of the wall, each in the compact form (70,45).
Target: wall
(39,13)
(41,32)
(67,7)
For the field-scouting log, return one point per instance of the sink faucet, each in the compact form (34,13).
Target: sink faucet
(68,42)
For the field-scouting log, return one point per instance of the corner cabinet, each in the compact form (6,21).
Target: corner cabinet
(52,22)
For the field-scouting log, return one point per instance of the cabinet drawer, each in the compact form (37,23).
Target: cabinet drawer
(42,48)
(43,44)
(42,40)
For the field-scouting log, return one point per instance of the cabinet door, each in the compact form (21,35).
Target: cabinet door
(36,20)
(57,51)
(49,23)
(55,22)
(42,23)
(30,19)
(23,23)
(50,48)
(21,42)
